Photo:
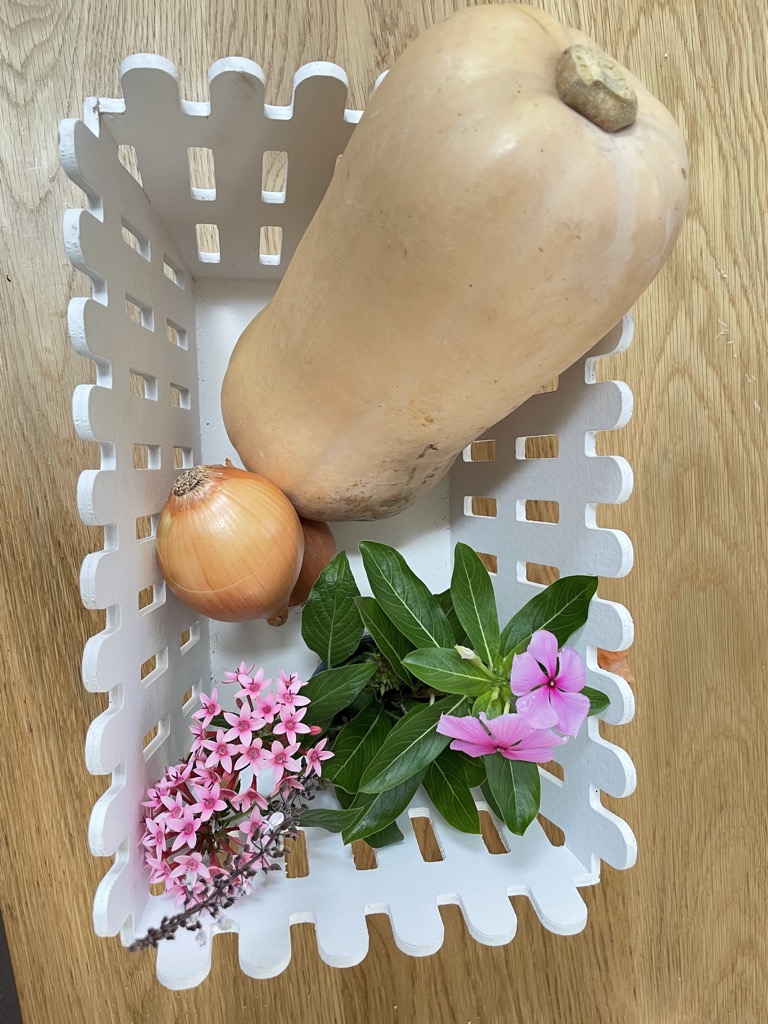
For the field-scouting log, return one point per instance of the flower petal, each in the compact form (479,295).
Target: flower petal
(508,729)
(536,708)
(572,675)
(543,647)
(526,674)
(474,749)
(466,728)
(571,710)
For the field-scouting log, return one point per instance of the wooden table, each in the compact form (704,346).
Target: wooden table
(681,937)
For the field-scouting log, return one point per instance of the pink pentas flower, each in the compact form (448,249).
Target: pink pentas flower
(315,757)
(208,801)
(252,686)
(160,869)
(191,864)
(508,735)
(221,751)
(288,691)
(199,734)
(154,836)
(187,827)
(280,759)
(251,756)
(267,707)
(249,798)
(178,773)
(210,707)
(547,685)
(254,823)
(240,675)
(290,723)
(244,724)
(174,805)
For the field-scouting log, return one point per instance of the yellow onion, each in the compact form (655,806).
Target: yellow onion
(229,544)
(319,549)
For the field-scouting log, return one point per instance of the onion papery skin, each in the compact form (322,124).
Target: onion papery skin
(229,544)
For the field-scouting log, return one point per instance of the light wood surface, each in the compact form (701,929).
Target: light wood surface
(681,938)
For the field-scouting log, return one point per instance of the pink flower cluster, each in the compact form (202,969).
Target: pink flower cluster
(206,816)
(547,685)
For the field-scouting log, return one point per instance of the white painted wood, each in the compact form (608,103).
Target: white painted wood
(192,311)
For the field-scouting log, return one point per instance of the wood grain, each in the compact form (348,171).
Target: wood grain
(681,937)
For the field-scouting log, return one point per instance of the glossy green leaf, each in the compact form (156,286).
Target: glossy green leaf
(345,799)
(329,818)
(490,799)
(561,609)
(333,690)
(378,810)
(490,705)
(444,669)
(385,837)
(330,622)
(411,745)
(446,783)
(516,788)
(390,641)
(474,767)
(475,602)
(355,746)
(446,603)
(598,701)
(404,598)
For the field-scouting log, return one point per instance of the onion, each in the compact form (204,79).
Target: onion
(229,544)
(319,549)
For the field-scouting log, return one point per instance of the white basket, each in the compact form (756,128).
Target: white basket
(138,244)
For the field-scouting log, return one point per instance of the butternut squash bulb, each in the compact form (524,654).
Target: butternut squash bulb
(500,206)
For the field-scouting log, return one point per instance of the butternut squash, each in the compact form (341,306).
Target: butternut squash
(508,194)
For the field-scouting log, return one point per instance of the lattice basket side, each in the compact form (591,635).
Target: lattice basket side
(141,162)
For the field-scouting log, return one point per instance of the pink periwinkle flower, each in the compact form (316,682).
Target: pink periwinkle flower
(547,685)
(315,757)
(509,735)
(291,723)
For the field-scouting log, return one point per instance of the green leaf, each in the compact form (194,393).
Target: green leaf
(390,641)
(562,609)
(330,622)
(446,603)
(598,701)
(446,783)
(345,799)
(516,788)
(329,818)
(404,598)
(474,767)
(355,746)
(475,602)
(490,799)
(378,810)
(492,706)
(385,836)
(333,690)
(411,746)
(446,670)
